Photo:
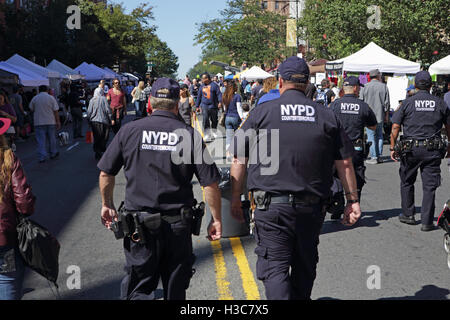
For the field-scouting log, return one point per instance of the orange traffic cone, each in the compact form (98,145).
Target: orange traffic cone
(89,137)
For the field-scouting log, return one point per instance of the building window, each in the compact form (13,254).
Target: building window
(277,5)
(264,4)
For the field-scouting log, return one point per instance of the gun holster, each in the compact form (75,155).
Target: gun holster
(262,199)
(197,213)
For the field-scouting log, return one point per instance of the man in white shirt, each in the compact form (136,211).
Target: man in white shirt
(46,122)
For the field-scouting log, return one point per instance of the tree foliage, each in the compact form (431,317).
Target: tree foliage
(108,35)
(412,29)
(247,32)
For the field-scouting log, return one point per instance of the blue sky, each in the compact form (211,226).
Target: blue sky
(176,21)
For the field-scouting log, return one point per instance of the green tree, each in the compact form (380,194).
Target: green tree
(247,31)
(108,35)
(412,29)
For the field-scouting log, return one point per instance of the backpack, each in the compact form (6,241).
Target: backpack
(322,97)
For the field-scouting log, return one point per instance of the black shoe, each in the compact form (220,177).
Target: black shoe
(55,156)
(408,220)
(427,227)
(42,161)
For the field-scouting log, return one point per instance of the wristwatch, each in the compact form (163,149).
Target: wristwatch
(352,201)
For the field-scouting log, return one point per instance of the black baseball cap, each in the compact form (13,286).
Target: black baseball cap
(423,79)
(166,83)
(352,81)
(294,69)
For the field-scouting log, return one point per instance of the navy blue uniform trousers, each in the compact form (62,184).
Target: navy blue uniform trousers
(166,255)
(287,241)
(429,163)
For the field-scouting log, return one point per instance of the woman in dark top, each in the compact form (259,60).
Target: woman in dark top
(231,102)
(16,197)
(186,104)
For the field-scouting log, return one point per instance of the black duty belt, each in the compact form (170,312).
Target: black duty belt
(170,216)
(306,199)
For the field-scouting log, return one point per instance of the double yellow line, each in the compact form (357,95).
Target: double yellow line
(223,285)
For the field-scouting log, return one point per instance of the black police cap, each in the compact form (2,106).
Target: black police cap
(423,79)
(352,81)
(294,69)
(166,83)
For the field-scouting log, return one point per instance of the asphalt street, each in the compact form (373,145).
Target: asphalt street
(411,264)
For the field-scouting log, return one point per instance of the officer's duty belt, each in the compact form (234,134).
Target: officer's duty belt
(169,216)
(305,199)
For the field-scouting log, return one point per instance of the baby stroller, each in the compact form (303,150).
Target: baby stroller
(444,223)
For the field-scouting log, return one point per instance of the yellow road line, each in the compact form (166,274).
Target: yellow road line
(248,280)
(223,286)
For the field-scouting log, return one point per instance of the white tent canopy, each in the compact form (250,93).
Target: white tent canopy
(440,67)
(20,61)
(27,78)
(255,73)
(91,73)
(68,72)
(374,57)
(106,74)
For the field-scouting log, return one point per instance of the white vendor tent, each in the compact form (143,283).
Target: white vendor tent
(20,61)
(27,78)
(91,73)
(53,77)
(68,72)
(440,67)
(374,57)
(106,74)
(255,73)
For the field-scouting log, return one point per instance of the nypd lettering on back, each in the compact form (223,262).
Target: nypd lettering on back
(350,108)
(159,141)
(298,112)
(425,105)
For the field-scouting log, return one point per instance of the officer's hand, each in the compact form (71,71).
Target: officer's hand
(108,215)
(352,213)
(214,230)
(394,156)
(236,209)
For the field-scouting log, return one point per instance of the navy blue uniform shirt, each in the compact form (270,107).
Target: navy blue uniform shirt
(422,116)
(354,115)
(209,96)
(311,138)
(143,148)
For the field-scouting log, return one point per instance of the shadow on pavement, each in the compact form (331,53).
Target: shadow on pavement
(428,292)
(368,219)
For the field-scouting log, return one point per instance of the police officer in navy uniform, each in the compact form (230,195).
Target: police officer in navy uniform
(158,187)
(306,140)
(354,115)
(422,117)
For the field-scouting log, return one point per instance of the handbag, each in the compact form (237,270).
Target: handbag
(38,248)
